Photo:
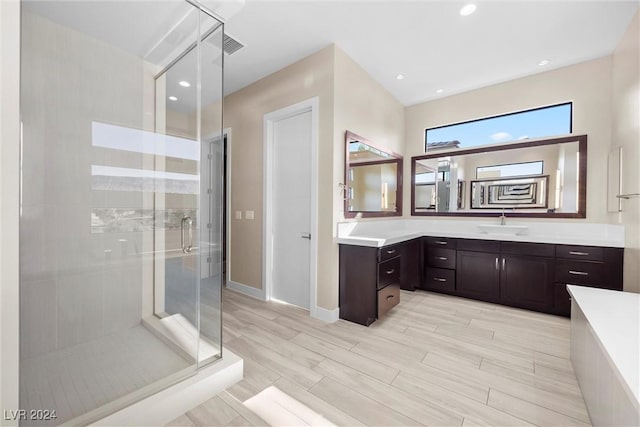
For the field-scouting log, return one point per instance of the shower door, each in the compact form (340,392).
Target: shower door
(112,202)
(188,212)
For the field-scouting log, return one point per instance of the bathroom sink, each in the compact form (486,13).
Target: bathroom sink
(503,229)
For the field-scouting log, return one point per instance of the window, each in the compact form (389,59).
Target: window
(536,123)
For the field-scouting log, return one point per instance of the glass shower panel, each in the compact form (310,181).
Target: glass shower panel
(102,180)
(212,61)
(187,246)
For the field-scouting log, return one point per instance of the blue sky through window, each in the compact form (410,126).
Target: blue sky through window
(549,121)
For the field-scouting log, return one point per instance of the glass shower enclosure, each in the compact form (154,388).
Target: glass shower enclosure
(121,202)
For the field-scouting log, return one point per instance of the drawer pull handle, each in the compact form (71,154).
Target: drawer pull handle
(440,242)
(391,251)
(389,297)
(503,264)
(438,279)
(497,268)
(578,273)
(578,253)
(441,258)
(390,271)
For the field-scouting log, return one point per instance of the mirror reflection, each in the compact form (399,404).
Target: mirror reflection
(536,178)
(373,183)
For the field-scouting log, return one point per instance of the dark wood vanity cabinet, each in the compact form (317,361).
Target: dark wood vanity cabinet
(439,264)
(371,278)
(411,262)
(478,275)
(526,275)
(519,274)
(584,266)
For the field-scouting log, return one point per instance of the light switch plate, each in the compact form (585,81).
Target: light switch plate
(238,214)
(249,214)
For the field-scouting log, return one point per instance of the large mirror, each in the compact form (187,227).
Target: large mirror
(537,178)
(373,179)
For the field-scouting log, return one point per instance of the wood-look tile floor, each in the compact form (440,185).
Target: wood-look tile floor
(433,360)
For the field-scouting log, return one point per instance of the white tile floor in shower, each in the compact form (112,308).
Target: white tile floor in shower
(78,379)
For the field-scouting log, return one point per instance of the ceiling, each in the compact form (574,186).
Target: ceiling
(429,42)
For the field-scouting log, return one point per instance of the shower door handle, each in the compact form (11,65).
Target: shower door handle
(185,225)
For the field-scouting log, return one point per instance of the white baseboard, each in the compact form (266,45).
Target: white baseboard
(247,290)
(326,315)
(170,403)
(320,313)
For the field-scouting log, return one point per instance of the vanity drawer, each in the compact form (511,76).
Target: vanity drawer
(528,249)
(388,252)
(586,253)
(441,258)
(388,297)
(389,272)
(580,273)
(479,245)
(440,242)
(440,279)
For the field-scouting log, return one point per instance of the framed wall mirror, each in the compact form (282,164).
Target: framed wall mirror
(373,179)
(537,178)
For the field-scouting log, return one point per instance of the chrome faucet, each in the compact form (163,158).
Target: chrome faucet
(503,218)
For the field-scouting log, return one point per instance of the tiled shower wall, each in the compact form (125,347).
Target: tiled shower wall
(78,282)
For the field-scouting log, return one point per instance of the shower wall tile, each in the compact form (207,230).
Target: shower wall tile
(37,317)
(79,303)
(126,248)
(68,175)
(122,298)
(31,243)
(72,221)
(77,255)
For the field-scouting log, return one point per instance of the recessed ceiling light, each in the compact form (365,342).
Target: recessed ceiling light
(440,91)
(184,84)
(400,77)
(468,9)
(543,62)
(173,98)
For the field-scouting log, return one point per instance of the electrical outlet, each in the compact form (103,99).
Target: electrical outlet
(249,214)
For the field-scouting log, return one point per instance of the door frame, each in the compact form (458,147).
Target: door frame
(308,105)
(226,133)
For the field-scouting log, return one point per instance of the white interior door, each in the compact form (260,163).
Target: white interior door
(291,209)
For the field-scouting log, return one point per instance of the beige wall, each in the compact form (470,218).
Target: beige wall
(9,178)
(365,108)
(587,84)
(625,133)
(349,100)
(244,113)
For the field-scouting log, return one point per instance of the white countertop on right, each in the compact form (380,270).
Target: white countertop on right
(614,316)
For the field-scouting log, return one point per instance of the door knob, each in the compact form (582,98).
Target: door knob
(306,236)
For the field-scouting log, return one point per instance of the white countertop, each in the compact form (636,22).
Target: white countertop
(385,232)
(614,316)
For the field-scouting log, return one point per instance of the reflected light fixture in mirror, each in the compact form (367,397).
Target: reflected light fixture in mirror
(373,179)
(543,178)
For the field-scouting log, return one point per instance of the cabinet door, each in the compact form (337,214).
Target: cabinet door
(478,275)
(561,300)
(527,282)
(410,273)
